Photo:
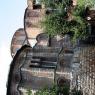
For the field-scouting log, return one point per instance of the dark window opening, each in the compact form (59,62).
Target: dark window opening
(93,30)
(37,4)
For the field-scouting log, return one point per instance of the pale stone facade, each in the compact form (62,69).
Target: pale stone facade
(33,18)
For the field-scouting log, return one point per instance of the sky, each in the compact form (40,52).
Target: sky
(11,19)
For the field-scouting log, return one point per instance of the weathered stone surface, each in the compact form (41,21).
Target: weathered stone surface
(83,69)
(18,40)
(61,41)
(32,23)
(42,40)
(38,69)
(30,3)
(33,17)
(57,41)
(90,16)
(14,76)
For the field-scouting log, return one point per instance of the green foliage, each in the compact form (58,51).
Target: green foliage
(47,91)
(29,92)
(55,3)
(55,22)
(79,29)
(54,90)
(64,90)
(86,3)
(58,23)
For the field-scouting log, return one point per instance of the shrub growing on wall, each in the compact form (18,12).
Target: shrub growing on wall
(54,90)
(66,19)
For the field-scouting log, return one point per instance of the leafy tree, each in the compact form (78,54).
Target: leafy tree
(66,19)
